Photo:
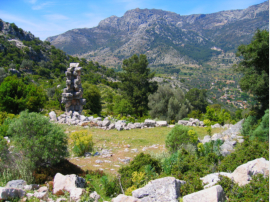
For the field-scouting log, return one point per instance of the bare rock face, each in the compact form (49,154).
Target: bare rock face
(213,194)
(67,182)
(243,174)
(9,193)
(124,198)
(16,184)
(164,189)
(72,96)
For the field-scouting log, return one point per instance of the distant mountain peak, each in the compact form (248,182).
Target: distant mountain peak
(165,37)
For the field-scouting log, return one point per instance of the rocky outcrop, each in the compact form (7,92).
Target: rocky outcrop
(124,198)
(16,184)
(164,189)
(67,182)
(242,174)
(9,193)
(213,194)
(138,29)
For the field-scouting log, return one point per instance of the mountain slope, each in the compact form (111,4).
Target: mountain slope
(165,37)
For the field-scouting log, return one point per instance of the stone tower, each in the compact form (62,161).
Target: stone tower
(72,95)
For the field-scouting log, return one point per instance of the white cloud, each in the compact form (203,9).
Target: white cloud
(31,1)
(56,17)
(43,5)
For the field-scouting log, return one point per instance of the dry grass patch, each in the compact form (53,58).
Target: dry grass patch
(122,142)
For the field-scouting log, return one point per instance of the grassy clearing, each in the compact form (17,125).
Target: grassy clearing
(122,142)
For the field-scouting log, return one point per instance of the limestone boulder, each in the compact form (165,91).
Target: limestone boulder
(16,184)
(183,122)
(162,123)
(106,123)
(163,189)
(76,193)
(124,198)
(243,174)
(67,182)
(53,116)
(211,179)
(42,193)
(10,193)
(213,194)
(150,123)
(111,126)
(94,195)
(206,138)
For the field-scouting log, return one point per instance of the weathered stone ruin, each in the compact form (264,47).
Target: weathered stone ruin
(72,95)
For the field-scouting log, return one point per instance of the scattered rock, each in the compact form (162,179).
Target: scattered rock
(164,189)
(124,198)
(243,174)
(10,193)
(16,184)
(76,193)
(42,193)
(213,194)
(53,116)
(67,182)
(87,154)
(98,161)
(94,195)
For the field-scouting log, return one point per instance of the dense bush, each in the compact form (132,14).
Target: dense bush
(138,165)
(93,98)
(178,136)
(16,96)
(168,103)
(253,148)
(256,190)
(262,131)
(39,140)
(82,142)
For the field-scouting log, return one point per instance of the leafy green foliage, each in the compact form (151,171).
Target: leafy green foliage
(178,136)
(138,164)
(197,99)
(217,115)
(254,128)
(93,98)
(255,67)
(82,142)
(168,103)
(136,84)
(16,96)
(253,148)
(39,140)
(256,190)
(122,106)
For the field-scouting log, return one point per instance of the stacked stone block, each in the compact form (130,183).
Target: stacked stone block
(72,95)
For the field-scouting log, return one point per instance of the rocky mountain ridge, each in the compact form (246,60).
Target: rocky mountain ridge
(165,37)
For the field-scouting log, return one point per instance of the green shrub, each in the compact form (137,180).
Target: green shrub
(39,140)
(138,165)
(262,131)
(82,142)
(249,126)
(178,136)
(256,190)
(253,148)
(193,184)
(16,96)
(111,187)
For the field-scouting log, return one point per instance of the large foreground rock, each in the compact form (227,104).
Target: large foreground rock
(124,198)
(16,184)
(10,193)
(164,189)
(67,182)
(213,194)
(243,174)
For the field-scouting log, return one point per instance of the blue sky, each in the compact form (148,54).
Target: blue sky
(46,18)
